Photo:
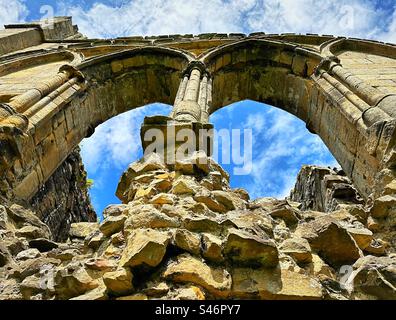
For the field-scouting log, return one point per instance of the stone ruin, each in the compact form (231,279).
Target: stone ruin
(181,232)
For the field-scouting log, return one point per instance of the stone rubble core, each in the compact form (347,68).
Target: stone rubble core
(183,233)
(57,86)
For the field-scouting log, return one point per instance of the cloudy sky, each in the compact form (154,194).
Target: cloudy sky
(281,142)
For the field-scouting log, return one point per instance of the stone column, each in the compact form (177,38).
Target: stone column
(190,114)
(193,97)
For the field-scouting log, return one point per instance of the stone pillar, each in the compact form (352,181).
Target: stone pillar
(193,97)
(190,115)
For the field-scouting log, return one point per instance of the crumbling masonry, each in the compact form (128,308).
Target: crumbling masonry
(182,232)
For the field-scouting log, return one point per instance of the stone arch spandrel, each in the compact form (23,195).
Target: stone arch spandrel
(93,92)
(132,78)
(264,71)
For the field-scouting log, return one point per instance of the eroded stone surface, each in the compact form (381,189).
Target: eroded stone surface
(181,246)
(182,232)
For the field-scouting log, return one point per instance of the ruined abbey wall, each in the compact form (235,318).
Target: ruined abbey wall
(182,232)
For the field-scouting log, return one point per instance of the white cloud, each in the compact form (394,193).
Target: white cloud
(389,35)
(12,11)
(116,143)
(285,144)
(256,122)
(339,17)
(153,17)
(147,17)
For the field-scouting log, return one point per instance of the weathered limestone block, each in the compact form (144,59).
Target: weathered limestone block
(112,225)
(72,282)
(100,264)
(134,297)
(22,218)
(31,232)
(28,254)
(390,188)
(119,282)
(114,210)
(147,216)
(185,186)
(95,239)
(229,200)
(212,248)
(319,268)
(143,193)
(35,266)
(163,198)
(187,269)
(245,249)
(298,248)
(5,256)
(151,163)
(362,237)
(4,224)
(31,287)
(64,255)
(202,224)
(383,207)
(374,277)
(98,293)
(9,290)
(145,247)
(274,285)
(188,241)
(187,293)
(332,242)
(82,229)
(210,202)
(15,245)
(155,289)
(184,166)
(290,215)
(256,220)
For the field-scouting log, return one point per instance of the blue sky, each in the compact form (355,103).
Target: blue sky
(281,142)
(112,18)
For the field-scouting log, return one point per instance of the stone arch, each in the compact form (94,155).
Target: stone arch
(347,113)
(313,77)
(265,71)
(79,98)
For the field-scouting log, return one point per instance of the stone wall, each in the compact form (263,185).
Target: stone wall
(64,198)
(183,234)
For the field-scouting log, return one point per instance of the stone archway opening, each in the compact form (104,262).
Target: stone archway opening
(281,146)
(112,147)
